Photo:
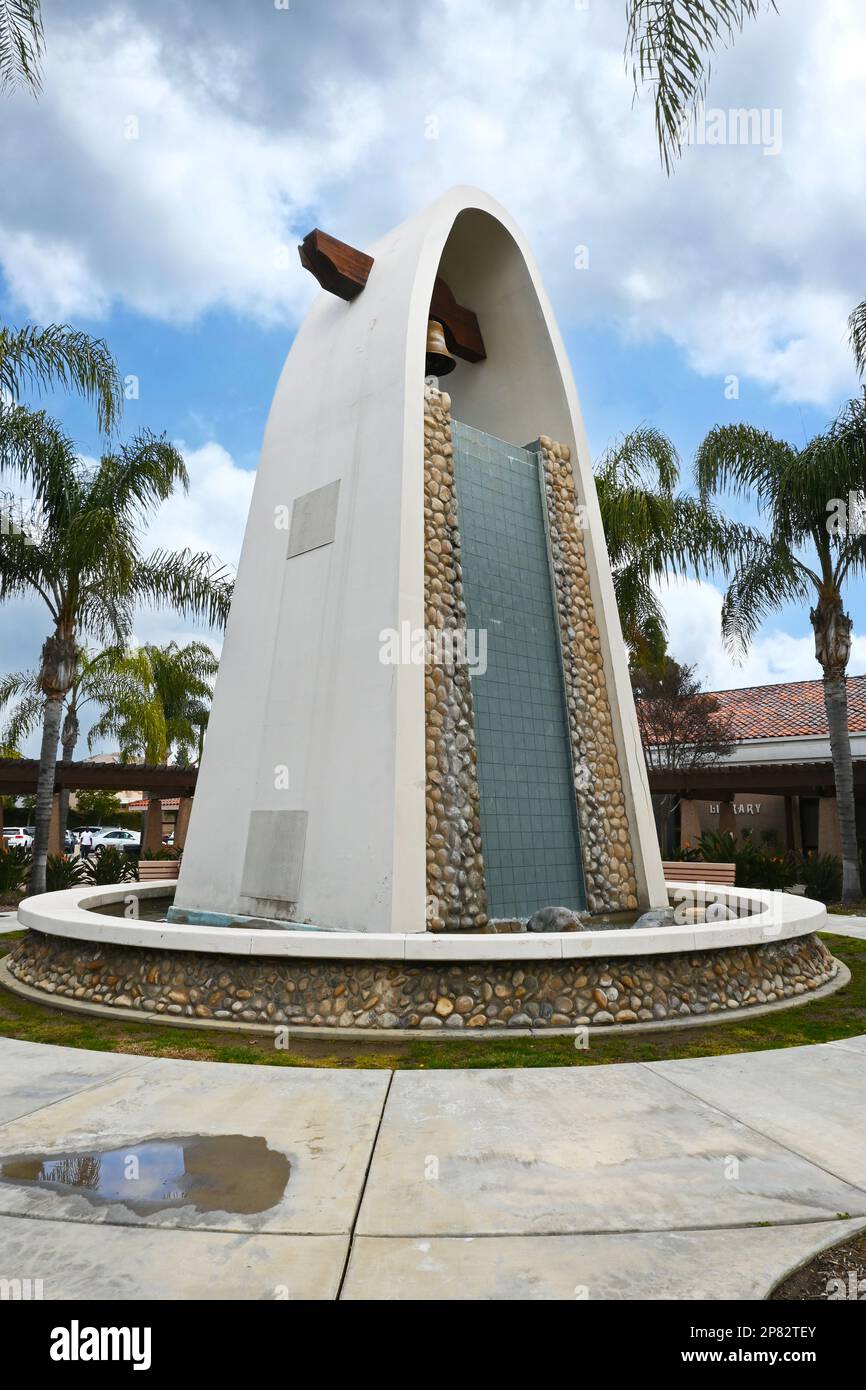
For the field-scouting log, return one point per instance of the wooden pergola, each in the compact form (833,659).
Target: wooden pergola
(725,780)
(19,776)
(719,783)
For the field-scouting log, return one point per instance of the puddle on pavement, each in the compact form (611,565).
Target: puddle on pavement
(222,1172)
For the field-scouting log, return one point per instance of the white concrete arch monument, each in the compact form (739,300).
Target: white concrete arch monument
(423,718)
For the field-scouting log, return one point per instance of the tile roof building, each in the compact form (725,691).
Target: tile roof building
(765,715)
(777,780)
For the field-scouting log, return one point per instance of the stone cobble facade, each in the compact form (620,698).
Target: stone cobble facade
(369,994)
(455,865)
(608,868)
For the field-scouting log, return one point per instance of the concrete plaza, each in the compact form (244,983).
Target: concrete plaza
(707,1178)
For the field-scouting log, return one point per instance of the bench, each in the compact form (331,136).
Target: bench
(691,871)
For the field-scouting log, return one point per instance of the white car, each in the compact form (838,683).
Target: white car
(21,838)
(117,838)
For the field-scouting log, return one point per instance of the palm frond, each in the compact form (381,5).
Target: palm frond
(16,684)
(22,44)
(669,43)
(194,585)
(857,335)
(35,449)
(831,466)
(643,458)
(41,358)
(743,460)
(640,612)
(26,568)
(768,580)
(25,719)
(135,480)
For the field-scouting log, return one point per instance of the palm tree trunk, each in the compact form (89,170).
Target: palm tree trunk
(55,679)
(836,704)
(68,740)
(45,791)
(832,628)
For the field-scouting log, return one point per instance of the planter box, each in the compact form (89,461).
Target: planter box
(150,869)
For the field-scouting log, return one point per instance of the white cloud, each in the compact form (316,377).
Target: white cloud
(212,514)
(210,517)
(252,126)
(51,278)
(172,201)
(694,610)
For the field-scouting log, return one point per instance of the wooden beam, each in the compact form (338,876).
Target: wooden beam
(719,782)
(342,270)
(339,268)
(18,777)
(461,325)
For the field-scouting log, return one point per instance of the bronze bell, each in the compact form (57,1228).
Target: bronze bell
(439,360)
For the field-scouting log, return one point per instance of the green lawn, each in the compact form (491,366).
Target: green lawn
(840,1015)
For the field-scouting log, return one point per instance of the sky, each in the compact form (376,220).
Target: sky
(155,194)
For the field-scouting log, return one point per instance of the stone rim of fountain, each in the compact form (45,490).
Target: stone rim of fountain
(774,917)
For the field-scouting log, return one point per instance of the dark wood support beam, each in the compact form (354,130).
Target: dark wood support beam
(342,270)
(721,782)
(339,268)
(461,325)
(18,777)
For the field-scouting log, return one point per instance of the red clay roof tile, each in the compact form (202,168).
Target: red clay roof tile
(792,710)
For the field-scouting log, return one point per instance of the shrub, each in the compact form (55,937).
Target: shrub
(713,847)
(167,852)
(110,865)
(756,867)
(62,873)
(822,875)
(15,866)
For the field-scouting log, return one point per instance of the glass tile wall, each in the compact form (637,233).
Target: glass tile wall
(529,826)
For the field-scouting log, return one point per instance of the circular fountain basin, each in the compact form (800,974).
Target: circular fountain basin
(438,983)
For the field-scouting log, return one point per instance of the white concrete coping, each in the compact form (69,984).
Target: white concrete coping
(779,917)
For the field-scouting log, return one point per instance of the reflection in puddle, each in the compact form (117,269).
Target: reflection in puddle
(221,1172)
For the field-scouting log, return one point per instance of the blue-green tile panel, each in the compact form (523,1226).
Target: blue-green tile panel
(528,817)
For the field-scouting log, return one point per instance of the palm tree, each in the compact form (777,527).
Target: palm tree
(86,564)
(160,701)
(39,358)
(804,554)
(670,43)
(21,43)
(652,529)
(95,682)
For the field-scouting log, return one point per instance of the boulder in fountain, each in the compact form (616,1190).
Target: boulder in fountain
(656,917)
(556,919)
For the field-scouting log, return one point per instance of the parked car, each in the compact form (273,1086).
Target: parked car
(127,840)
(19,837)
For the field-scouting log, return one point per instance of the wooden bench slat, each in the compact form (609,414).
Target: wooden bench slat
(689,871)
